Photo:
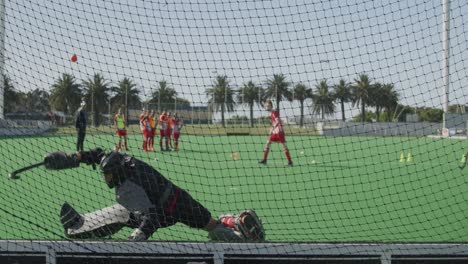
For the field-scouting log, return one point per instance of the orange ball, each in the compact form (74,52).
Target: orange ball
(74,58)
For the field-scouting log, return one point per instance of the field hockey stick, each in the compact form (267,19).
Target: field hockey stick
(13,175)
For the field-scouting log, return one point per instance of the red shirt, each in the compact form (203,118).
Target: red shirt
(276,124)
(163,122)
(144,122)
(176,125)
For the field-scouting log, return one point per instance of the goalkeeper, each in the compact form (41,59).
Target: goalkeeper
(145,201)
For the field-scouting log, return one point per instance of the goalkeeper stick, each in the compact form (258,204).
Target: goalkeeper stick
(13,175)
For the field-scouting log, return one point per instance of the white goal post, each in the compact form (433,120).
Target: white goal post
(56,252)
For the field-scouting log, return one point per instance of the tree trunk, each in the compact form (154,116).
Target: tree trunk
(377,113)
(342,111)
(363,112)
(222,115)
(277,104)
(251,115)
(302,114)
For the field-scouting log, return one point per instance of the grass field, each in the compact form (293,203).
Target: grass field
(340,188)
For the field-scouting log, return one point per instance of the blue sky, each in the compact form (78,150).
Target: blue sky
(188,42)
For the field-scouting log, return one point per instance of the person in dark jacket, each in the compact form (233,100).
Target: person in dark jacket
(146,201)
(80,125)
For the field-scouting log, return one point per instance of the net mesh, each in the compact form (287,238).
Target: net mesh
(358,87)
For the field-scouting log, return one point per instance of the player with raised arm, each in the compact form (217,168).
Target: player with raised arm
(276,133)
(145,201)
(153,122)
(145,129)
(163,124)
(176,124)
(120,127)
(169,130)
(80,125)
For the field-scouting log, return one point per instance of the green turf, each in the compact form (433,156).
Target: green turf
(340,188)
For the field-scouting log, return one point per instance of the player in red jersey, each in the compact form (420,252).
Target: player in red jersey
(120,128)
(276,134)
(153,122)
(145,129)
(176,124)
(169,129)
(163,124)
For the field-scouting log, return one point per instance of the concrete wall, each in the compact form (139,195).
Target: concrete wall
(23,127)
(458,121)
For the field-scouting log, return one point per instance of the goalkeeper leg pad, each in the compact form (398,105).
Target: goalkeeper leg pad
(69,217)
(100,223)
(250,226)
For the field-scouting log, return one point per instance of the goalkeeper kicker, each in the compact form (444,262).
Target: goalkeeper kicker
(145,201)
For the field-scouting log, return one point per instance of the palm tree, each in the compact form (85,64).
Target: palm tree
(125,93)
(250,94)
(377,98)
(220,96)
(164,94)
(391,99)
(37,101)
(343,95)
(361,93)
(277,88)
(66,94)
(301,93)
(323,100)
(10,96)
(96,96)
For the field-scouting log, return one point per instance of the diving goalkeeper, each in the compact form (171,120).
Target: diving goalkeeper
(145,201)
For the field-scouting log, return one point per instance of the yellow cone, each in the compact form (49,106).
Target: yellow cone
(402,157)
(409,158)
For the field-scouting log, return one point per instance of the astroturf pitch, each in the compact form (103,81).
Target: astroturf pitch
(339,189)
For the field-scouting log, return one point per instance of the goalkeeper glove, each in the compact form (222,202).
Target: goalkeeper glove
(92,157)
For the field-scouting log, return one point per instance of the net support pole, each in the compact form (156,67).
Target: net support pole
(446,48)
(2,58)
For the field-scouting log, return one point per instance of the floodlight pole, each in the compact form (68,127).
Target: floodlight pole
(2,58)
(92,107)
(126,106)
(110,119)
(159,100)
(446,66)
(260,105)
(242,118)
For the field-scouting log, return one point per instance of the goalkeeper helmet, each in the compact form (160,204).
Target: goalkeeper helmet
(112,166)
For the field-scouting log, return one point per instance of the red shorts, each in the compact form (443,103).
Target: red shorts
(278,137)
(145,133)
(153,132)
(176,135)
(162,133)
(168,133)
(121,132)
